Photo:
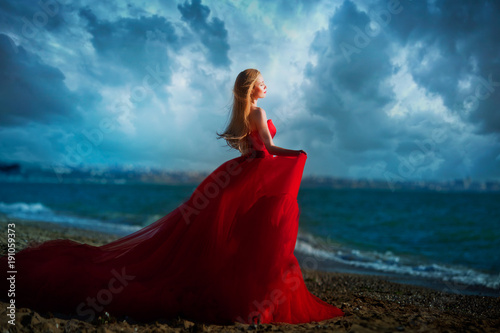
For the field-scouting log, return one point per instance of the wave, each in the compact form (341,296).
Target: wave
(39,212)
(311,246)
(455,278)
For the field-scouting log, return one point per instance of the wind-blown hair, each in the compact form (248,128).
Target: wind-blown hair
(239,127)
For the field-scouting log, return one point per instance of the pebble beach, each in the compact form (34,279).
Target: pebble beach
(371,303)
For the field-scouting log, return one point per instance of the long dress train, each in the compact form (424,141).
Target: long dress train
(224,255)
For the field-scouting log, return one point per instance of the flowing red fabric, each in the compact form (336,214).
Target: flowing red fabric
(225,255)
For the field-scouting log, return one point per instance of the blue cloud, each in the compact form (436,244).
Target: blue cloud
(213,34)
(450,53)
(131,45)
(458,43)
(30,90)
(348,84)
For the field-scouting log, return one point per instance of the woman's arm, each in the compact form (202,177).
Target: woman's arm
(259,118)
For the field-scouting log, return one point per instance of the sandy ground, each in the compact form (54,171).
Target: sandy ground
(371,303)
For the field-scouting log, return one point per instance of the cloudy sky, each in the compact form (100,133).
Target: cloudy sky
(369,88)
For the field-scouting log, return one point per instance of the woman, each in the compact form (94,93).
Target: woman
(247,118)
(224,255)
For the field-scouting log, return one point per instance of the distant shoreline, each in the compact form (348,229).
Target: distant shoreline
(455,186)
(15,173)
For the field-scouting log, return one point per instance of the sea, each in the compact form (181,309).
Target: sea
(449,241)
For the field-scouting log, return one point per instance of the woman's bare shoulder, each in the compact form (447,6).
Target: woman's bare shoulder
(257,113)
(256,117)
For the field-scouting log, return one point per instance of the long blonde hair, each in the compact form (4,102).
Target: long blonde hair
(239,127)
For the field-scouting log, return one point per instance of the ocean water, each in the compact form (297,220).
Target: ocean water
(452,239)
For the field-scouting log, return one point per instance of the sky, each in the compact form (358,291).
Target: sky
(401,90)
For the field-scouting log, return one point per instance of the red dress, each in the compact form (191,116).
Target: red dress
(224,255)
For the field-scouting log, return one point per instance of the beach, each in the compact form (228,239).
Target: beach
(370,303)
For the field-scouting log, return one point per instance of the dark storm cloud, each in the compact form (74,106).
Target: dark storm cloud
(131,46)
(30,90)
(448,48)
(350,92)
(213,34)
(33,15)
(458,42)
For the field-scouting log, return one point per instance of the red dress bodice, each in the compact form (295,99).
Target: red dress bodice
(256,143)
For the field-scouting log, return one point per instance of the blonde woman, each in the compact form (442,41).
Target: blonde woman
(247,118)
(224,255)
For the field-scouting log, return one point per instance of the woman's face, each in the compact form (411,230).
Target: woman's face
(260,88)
